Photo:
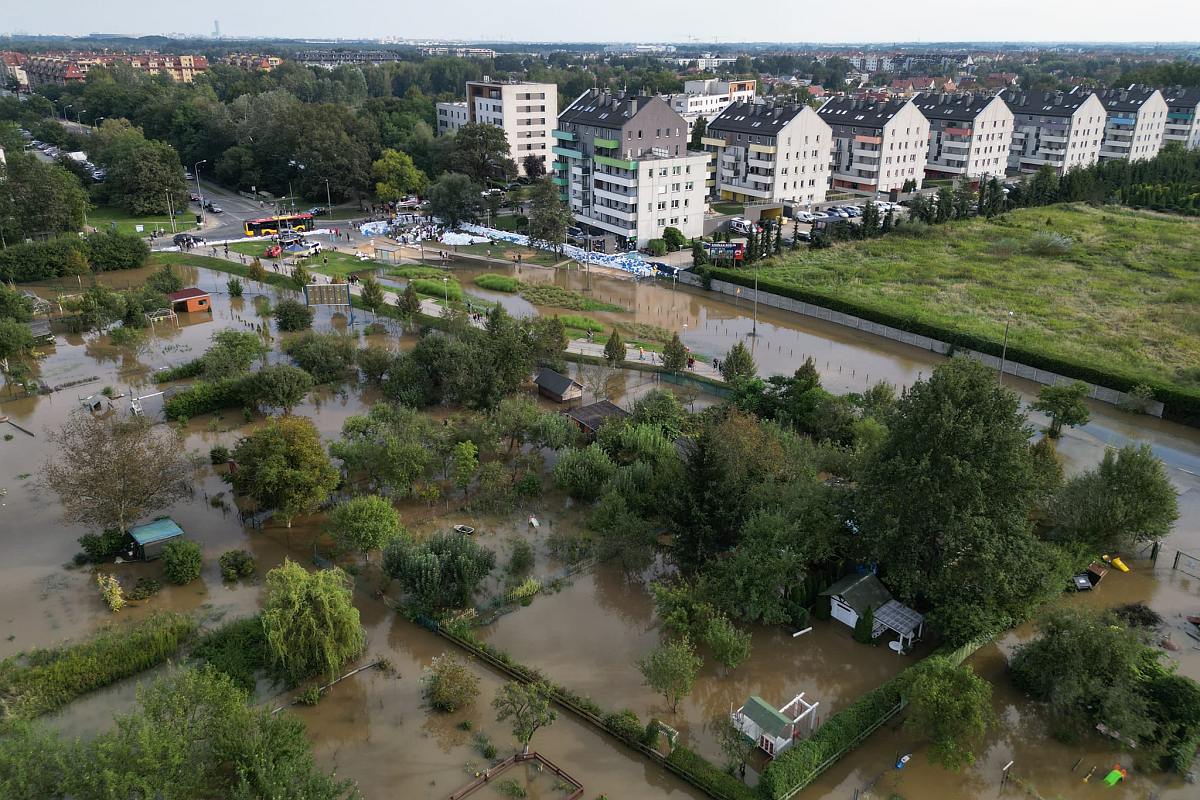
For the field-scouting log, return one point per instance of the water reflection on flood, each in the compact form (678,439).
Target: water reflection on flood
(589,635)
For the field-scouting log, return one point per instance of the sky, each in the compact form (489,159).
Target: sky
(628,20)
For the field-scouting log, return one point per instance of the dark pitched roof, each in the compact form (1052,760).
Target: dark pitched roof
(1046,104)
(606,110)
(1188,96)
(757,118)
(849,112)
(184,294)
(594,415)
(767,718)
(960,107)
(860,592)
(554,382)
(1129,99)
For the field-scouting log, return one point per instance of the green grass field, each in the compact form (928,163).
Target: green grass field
(1123,296)
(338,263)
(103,217)
(507,252)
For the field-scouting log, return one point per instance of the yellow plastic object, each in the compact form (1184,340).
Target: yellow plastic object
(1119,564)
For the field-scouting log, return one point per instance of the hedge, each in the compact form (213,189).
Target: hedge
(716,782)
(41,261)
(205,397)
(188,369)
(1181,405)
(44,680)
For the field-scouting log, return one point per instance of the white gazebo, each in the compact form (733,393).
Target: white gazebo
(774,731)
(903,621)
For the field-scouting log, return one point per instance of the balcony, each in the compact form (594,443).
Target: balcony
(761,163)
(615,162)
(712,142)
(564,136)
(560,180)
(869,139)
(615,197)
(559,166)
(608,144)
(763,148)
(566,152)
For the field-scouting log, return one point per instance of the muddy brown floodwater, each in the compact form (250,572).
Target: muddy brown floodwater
(589,634)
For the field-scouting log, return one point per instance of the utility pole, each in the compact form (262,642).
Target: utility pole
(171,212)
(328,202)
(199,193)
(1004,350)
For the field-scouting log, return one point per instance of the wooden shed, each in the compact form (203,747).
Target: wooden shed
(557,387)
(589,418)
(190,300)
(853,595)
(149,539)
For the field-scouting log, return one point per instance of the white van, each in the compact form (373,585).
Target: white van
(741,225)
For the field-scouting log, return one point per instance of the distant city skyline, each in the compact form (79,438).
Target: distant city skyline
(699,22)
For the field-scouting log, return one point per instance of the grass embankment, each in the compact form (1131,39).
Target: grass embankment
(508,252)
(1116,305)
(543,294)
(439,289)
(102,218)
(44,680)
(408,273)
(338,263)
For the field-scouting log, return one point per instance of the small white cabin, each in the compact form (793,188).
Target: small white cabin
(774,731)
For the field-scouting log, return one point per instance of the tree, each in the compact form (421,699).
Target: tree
(371,294)
(671,670)
(110,473)
(232,353)
(699,254)
(1127,499)
(391,446)
(534,166)
(516,417)
(465,457)
(76,265)
(614,349)
(39,199)
(182,561)
(528,706)
(674,355)
(699,128)
(729,645)
(396,177)
(738,364)
(165,280)
(408,303)
(945,503)
(300,277)
(952,707)
(440,572)
(449,683)
(292,315)
(283,466)
(234,286)
(281,386)
(674,238)
(1064,403)
(660,407)
(310,622)
(870,219)
(364,524)
(582,473)
(549,216)
(481,151)
(735,745)
(328,357)
(454,199)
(15,340)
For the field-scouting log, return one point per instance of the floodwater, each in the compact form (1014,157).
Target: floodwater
(588,635)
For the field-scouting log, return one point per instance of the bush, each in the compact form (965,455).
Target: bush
(188,369)
(239,649)
(576,322)
(182,560)
(718,782)
(110,590)
(657,247)
(582,473)
(236,564)
(204,398)
(1048,243)
(521,560)
(674,238)
(102,546)
(145,588)
(449,683)
(219,455)
(39,261)
(437,289)
(529,485)
(292,315)
(497,283)
(44,680)
(625,723)
(326,356)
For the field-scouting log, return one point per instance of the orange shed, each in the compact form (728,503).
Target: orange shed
(189,300)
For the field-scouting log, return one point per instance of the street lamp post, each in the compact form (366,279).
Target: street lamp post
(199,193)
(1004,350)
(446,290)
(328,202)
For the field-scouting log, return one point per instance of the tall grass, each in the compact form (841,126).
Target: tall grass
(543,294)
(437,289)
(497,283)
(44,680)
(239,649)
(416,272)
(581,323)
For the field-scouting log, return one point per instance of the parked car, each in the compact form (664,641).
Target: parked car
(317,211)
(803,236)
(741,225)
(215,209)
(187,176)
(803,216)
(193,197)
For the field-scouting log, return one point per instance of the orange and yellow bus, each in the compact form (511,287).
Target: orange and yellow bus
(269,226)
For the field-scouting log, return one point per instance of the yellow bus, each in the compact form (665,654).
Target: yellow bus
(269,226)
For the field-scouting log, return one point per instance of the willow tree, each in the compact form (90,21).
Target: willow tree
(110,473)
(310,621)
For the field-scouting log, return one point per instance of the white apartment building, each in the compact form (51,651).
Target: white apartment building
(877,145)
(624,169)
(1183,116)
(1062,130)
(526,112)
(708,98)
(451,117)
(1137,120)
(969,135)
(764,151)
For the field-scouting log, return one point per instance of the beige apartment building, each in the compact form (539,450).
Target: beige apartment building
(527,112)
(764,151)
(969,135)
(1137,121)
(878,145)
(1061,129)
(1183,116)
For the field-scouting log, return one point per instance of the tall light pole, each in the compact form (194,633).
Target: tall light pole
(199,193)
(1004,350)
(446,290)
(65,109)
(328,202)
(96,122)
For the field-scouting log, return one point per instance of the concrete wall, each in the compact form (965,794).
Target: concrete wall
(1034,374)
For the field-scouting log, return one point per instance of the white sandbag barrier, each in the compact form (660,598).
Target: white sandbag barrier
(627,262)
